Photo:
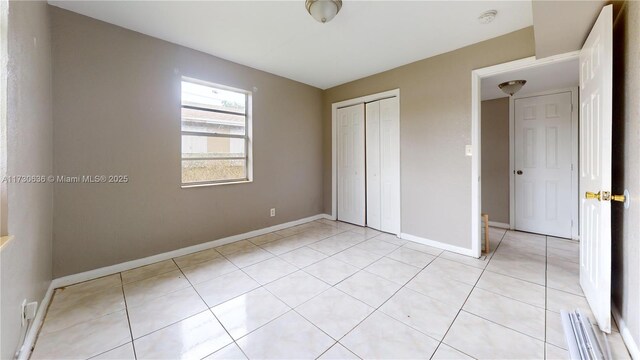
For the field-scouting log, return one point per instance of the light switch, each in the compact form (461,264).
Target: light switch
(467,150)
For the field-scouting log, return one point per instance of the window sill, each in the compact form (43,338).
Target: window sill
(186,186)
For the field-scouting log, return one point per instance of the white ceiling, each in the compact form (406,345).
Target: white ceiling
(280,37)
(557,75)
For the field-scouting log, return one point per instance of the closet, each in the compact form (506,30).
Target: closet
(368,164)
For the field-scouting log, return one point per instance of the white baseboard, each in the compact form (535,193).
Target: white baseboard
(633,348)
(438,244)
(113,269)
(34,328)
(499,225)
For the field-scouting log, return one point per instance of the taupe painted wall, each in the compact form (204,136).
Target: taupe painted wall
(435,126)
(117,111)
(626,164)
(25,261)
(495,159)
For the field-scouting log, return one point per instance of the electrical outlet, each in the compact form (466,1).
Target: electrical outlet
(468,151)
(272,212)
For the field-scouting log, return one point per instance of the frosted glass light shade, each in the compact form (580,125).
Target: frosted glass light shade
(323,10)
(512,87)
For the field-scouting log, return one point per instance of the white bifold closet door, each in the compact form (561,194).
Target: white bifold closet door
(383,165)
(351,164)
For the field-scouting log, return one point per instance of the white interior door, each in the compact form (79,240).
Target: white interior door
(351,164)
(543,196)
(596,68)
(390,165)
(373,165)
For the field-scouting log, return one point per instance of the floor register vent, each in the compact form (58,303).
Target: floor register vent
(584,340)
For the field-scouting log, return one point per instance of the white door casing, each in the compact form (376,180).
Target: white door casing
(543,164)
(596,71)
(373,165)
(351,164)
(390,165)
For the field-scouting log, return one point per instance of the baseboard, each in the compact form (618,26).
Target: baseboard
(113,269)
(633,348)
(32,333)
(499,225)
(438,244)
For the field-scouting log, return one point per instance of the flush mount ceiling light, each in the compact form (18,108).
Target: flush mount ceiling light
(512,87)
(323,10)
(487,16)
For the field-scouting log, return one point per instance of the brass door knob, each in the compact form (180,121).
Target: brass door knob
(620,198)
(590,195)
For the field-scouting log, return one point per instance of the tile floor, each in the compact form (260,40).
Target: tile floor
(327,290)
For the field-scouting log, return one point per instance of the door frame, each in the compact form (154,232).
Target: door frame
(575,175)
(334,109)
(476,99)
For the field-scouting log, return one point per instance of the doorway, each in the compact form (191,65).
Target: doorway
(366,161)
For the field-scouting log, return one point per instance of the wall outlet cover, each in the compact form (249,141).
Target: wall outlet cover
(272,212)
(468,150)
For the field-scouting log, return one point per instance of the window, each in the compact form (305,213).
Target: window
(216,134)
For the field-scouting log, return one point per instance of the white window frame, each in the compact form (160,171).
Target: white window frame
(248,156)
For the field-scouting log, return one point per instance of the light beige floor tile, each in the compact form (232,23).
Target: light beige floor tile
(164,310)
(378,247)
(208,270)
(331,271)
(558,300)
(248,257)
(229,352)
(446,352)
(393,270)
(297,288)
(334,312)
(555,353)
(517,289)
(148,271)
(564,275)
(525,267)
(483,339)
(411,257)
(479,263)
(192,338)
(391,238)
(225,287)
(88,287)
(516,315)
(421,312)
(140,292)
(367,232)
(334,244)
(236,246)
(266,238)
(555,331)
(454,271)
(382,337)
(86,339)
(617,347)
(523,245)
(196,258)
(440,288)
(74,310)
(269,270)
(290,243)
(338,352)
(248,312)
(369,288)
(302,339)
(423,248)
(357,257)
(124,352)
(302,257)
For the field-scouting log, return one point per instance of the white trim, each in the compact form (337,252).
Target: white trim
(34,328)
(438,244)
(575,175)
(476,79)
(334,109)
(632,347)
(113,269)
(499,225)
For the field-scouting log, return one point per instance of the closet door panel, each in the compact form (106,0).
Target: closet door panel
(373,165)
(351,164)
(390,165)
